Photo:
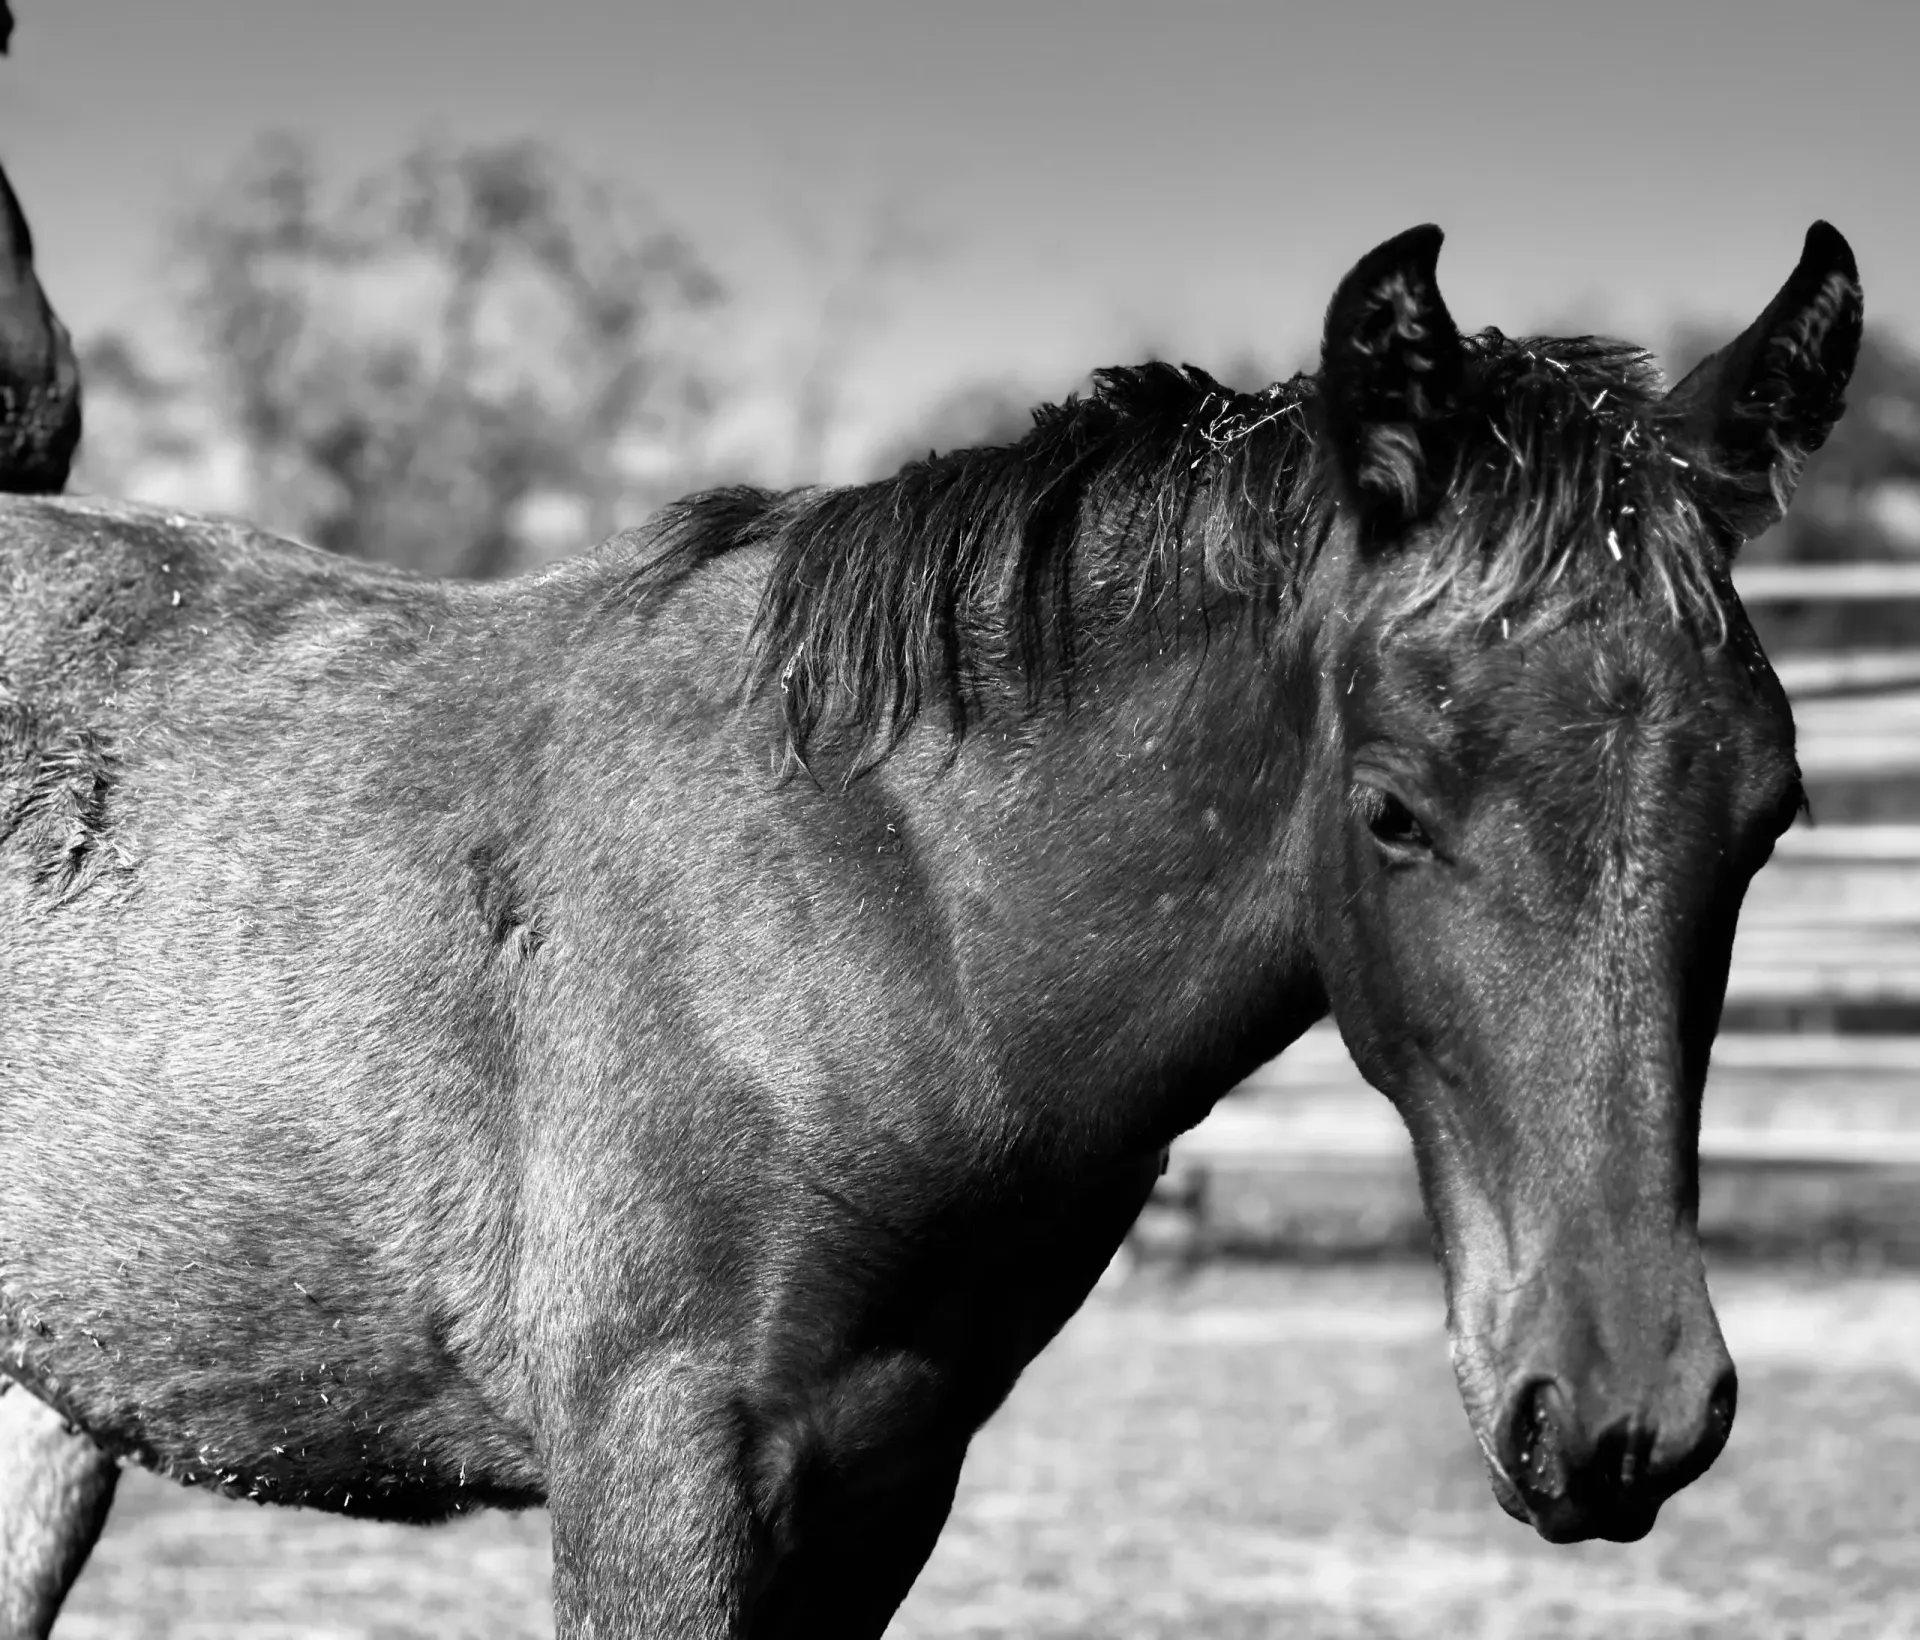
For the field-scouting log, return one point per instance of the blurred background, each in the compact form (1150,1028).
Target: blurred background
(467,286)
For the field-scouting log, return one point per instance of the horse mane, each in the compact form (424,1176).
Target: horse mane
(1164,488)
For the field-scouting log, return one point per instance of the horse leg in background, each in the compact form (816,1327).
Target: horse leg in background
(856,1562)
(55,1490)
(39,378)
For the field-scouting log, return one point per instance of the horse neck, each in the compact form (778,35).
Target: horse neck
(1118,885)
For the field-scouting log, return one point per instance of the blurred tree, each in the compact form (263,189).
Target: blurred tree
(987,412)
(856,263)
(471,361)
(143,438)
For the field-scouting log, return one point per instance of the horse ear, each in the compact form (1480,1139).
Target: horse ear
(1767,400)
(1391,366)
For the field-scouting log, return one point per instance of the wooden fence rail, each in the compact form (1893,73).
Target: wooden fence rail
(1826,583)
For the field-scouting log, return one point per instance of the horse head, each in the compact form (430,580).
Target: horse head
(1551,757)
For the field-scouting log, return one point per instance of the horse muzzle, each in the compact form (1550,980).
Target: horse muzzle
(1575,1476)
(1595,1400)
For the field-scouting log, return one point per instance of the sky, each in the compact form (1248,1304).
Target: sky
(1088,183)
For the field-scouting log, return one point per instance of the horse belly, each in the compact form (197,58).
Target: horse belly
(230,1370)
(256,1221)
(221,1288)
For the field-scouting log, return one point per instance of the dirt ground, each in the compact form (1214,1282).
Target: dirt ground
(1245,1453)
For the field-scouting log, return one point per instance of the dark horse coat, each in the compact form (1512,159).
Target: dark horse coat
(460,1048)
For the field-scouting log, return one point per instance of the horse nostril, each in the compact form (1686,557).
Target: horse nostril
(1535,1447)
(1720,1409)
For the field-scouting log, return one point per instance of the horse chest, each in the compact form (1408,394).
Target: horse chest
(869,1394)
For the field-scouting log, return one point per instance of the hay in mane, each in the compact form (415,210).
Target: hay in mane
(1165,490)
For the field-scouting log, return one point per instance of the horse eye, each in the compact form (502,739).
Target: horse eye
(1792,805)
(1395,826)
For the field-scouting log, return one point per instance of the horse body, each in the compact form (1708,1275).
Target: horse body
(460,1048)
(389,1112)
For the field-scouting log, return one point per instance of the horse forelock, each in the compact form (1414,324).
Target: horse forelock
(1567,488)
(1165,487)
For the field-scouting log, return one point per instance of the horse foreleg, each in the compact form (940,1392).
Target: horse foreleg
(856,1558)
(55,1490)
(653,1532)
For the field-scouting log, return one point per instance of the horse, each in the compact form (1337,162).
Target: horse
(39,378)
(673,1036)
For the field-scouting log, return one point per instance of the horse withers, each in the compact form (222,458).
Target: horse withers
(674,1036)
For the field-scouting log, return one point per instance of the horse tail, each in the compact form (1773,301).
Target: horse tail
(39,378)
